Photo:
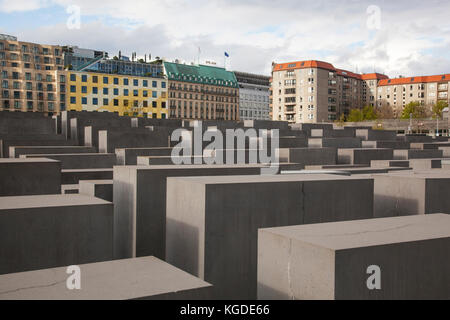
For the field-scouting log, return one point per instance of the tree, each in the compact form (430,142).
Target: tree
(415,108)
(368,113)
(355,115)
(437,108)
(385,112)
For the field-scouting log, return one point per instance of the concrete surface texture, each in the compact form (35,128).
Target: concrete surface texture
(212,222)
(48,231)
(29,176)
(363,155)
(102,189)
(138,278)
(79,160)
(331,260)
(17,151)
(140,204)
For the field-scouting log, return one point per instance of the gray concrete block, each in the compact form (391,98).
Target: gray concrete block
(140,204)
(425,164)
(409,193)
(334,142)
(29,176)
(102,189)
(128,156)
(70,188)
(109,140)
(426,145)
(417,154)
(370,134)
(389,163)
(331,260)
(49,231)
(140,278)
(79,160)
(386,144)
(17,151)
(417,138)
(73,176)
(293,142)
(167,160)
(308,156)
(363,155)
(34,140)
(212,222)
(445,151)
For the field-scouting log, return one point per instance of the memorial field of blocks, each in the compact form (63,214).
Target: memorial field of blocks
(341,213)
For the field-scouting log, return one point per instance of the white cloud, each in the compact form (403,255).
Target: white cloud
(414,37)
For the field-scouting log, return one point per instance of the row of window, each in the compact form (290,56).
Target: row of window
(28,86)
(116,102)
(28,76)
(30,105)
(115,92)
(26,48)
(125,81)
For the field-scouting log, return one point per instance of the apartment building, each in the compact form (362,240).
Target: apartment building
(29,76)
(126,95)
(427,90)
(253,96)
(202,92)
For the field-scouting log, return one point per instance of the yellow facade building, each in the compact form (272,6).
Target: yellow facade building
(128,95)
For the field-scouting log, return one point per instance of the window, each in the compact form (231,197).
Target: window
(73,88)
(83,78)
(116,80)
(73,100)
(125,92)
(105,91)
(73,77)
(83,100)
(95,90)
(144,93)
(105,102)
(94,101)
(145,83)
(163,84)
(135,93)
(154,94)
(105,80)
(83,89)
(95,79)
(125,81)
(116,102)
(154,84)
(135,82)
(154,105)
(116,91)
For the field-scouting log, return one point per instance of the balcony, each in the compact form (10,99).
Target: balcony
(443,87)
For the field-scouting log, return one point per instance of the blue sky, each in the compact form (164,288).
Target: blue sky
(395,37)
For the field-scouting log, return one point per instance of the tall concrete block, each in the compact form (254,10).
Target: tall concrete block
(73,176)
(417,154)
(109,140)
(363,155)
(141,278)
(369,134)
(102,189)
(334,142)
(29,176)
(425,145)
(79,160)
(334,260)
(386,144)
(31,140)
(409,193)
(212,222)
(140,204)
(308,156)
(49,231)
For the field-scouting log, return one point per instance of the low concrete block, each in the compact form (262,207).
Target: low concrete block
(369,134)
(417,154)
(79,160)
(128,156)
(334,142)
(363,155)
(140,204)
(337,260)
(70,188)
(212,222)
(16,152)
(47,231)
(102,189)
(425,146)
(409,193)
(389,163)
(141,278)
(308,156)
(74,176)
(29,176)
(386,144)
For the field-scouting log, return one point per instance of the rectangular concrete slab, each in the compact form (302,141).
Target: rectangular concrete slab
(363,155)
(48,231)
(140,204)
(128,156)
(79,160)
(417,154)
(410,193)
(74,176)
(102,189)
(16,152)
(308,156)
(138,278)
(212,222)
(331,260)
(29,176)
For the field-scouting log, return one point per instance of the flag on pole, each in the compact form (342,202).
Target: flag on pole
(226,54)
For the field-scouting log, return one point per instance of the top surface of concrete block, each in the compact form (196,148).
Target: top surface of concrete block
(371,232)
(144,277)
(26,160)
(192,166)
(40,201)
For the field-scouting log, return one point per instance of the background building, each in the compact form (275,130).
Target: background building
(28,74)
(315,91)
(202,92)
(253,96)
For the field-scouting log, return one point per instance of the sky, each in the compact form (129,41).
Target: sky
(402,37)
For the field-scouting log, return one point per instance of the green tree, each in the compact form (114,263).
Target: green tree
(415,108)
(369,113)
(438,107)
(355,115)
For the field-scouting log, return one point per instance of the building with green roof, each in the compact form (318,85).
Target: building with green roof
(202,92)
